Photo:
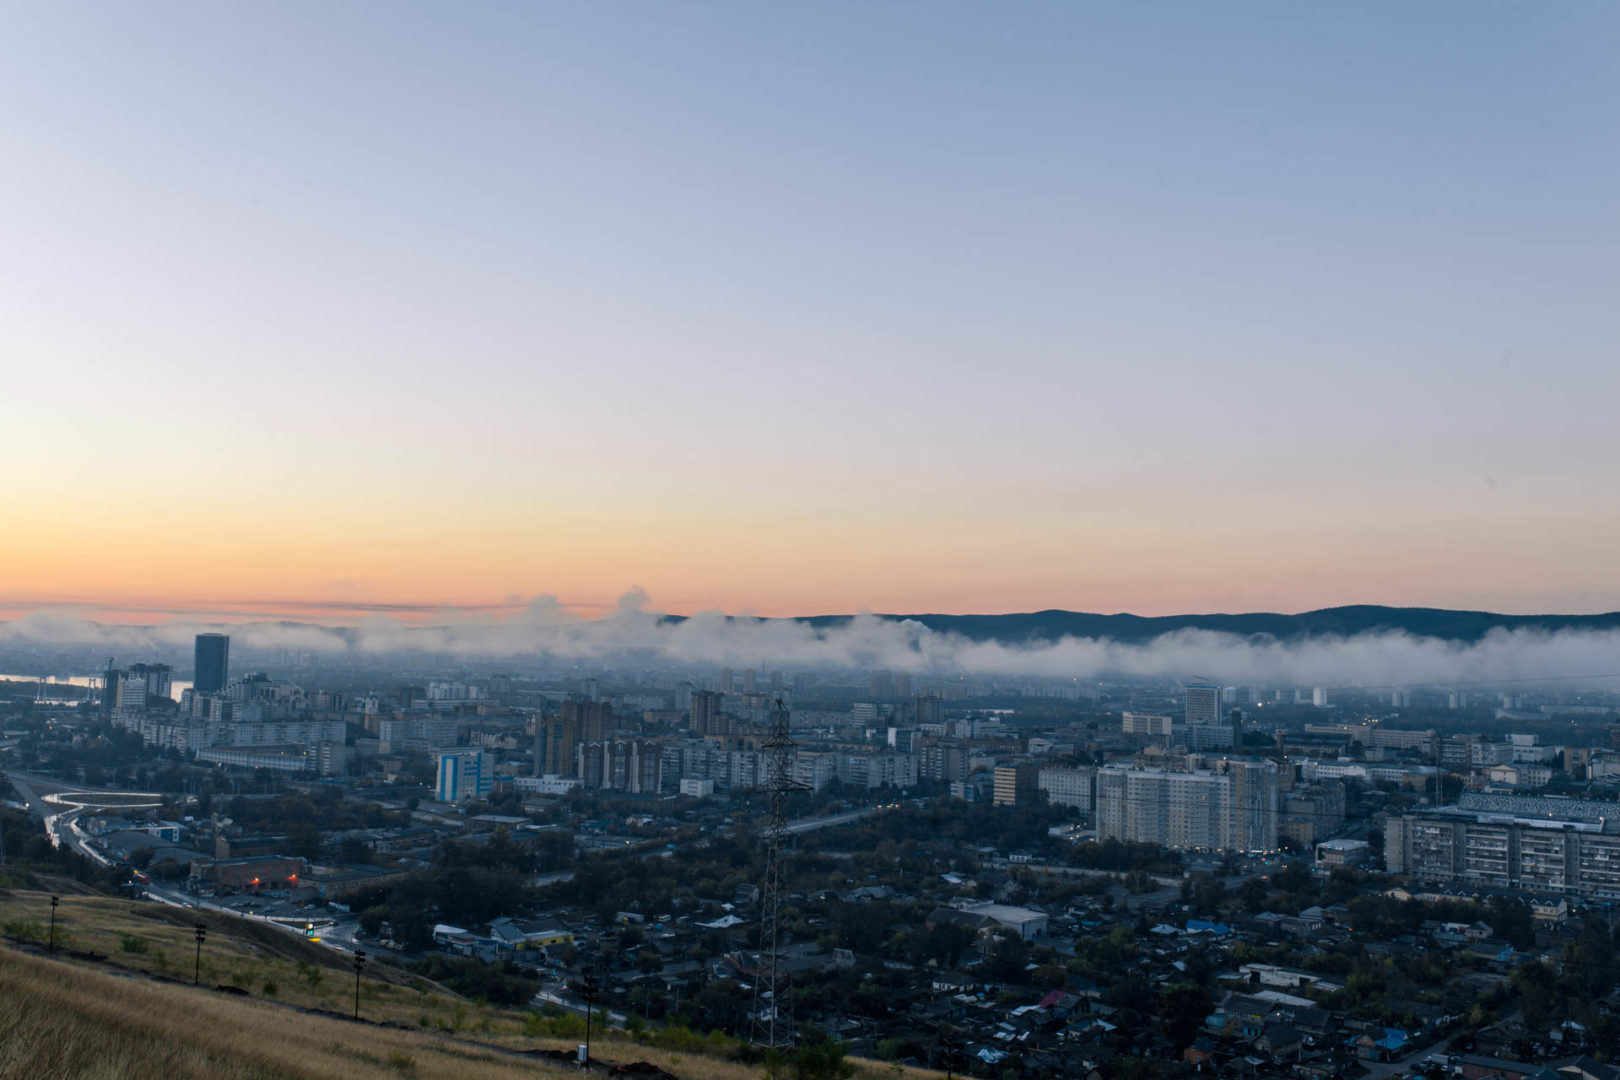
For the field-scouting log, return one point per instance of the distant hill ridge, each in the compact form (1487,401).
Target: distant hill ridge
(1464,626)
(1053,625)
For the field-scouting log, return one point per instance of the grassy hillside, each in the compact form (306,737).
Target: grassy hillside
(74,1023)
(115,1001)
(155,939)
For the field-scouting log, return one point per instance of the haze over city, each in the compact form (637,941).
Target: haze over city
(706,540)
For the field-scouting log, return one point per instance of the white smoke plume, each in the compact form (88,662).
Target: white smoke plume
(546,630)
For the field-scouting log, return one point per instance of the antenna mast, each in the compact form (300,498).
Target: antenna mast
(773,1029)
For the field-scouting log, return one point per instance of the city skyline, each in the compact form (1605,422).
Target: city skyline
(842,539)
(314,313)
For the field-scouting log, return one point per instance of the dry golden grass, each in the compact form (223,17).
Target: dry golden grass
(251,956)
(58,1020)
(69,1018)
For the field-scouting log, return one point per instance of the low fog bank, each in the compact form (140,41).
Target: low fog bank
(545,630)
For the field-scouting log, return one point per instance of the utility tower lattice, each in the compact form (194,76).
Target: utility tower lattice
(773,1028)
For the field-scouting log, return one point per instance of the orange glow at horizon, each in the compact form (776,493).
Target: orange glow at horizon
(825,567)
(758,321)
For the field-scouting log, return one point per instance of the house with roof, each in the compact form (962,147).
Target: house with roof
(1029,923)
(1286,978)
(524,935)
(1199,1052)
(1379,1044)
(1242,1016)
(1280,1042)
(1312,1022)
(1586,1068)
(1061,1004)
(1484,1067)
(1217,930)
(975,921)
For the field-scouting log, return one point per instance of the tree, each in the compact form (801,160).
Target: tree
(304,839)
(1510,917)
(1007,959)
(823,1060)
(354,849)
(1539,995)
(1208,894)
(1589,960)
(1133,993)
(1184,1008)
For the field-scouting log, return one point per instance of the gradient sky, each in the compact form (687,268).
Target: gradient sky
(796,308)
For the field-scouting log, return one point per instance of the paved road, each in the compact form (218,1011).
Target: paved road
(804,825)
(542,880)
(339,933)
(60,816)
(558,997)
(1381,1070)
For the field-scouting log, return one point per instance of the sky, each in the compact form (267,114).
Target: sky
(315,311)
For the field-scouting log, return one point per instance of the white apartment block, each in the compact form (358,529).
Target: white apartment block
(1068,787)
(1229,807)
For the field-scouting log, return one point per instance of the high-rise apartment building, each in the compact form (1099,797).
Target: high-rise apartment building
(929,709)
(631,765)
(1252,822)
(157,677)
(1016,785)
(944,761)
(706,712)
(1203,704)
(1231,806)
(592,720)
(1567,847)
(1068,787)
(211,662)
(129,692)
(110,678)
(464,775)
(554,743)
(1153,725)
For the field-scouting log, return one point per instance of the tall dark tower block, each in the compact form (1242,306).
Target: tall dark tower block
(212,662)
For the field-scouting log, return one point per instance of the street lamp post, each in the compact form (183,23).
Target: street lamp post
(588,990)
(196,971)
(950,1049)
(359,962)
(53,923)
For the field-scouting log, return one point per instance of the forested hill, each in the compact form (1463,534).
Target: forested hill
(1466,626)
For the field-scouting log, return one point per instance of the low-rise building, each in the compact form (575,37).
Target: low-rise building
(250,874)
(1338,854)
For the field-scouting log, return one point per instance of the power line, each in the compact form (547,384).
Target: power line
(773,1029)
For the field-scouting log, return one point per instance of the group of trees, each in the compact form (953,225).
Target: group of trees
(1382,918)
(1550,994)
(496,984)
(469,884)
(28,848)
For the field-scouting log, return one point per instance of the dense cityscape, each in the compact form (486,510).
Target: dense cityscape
(1004,876)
